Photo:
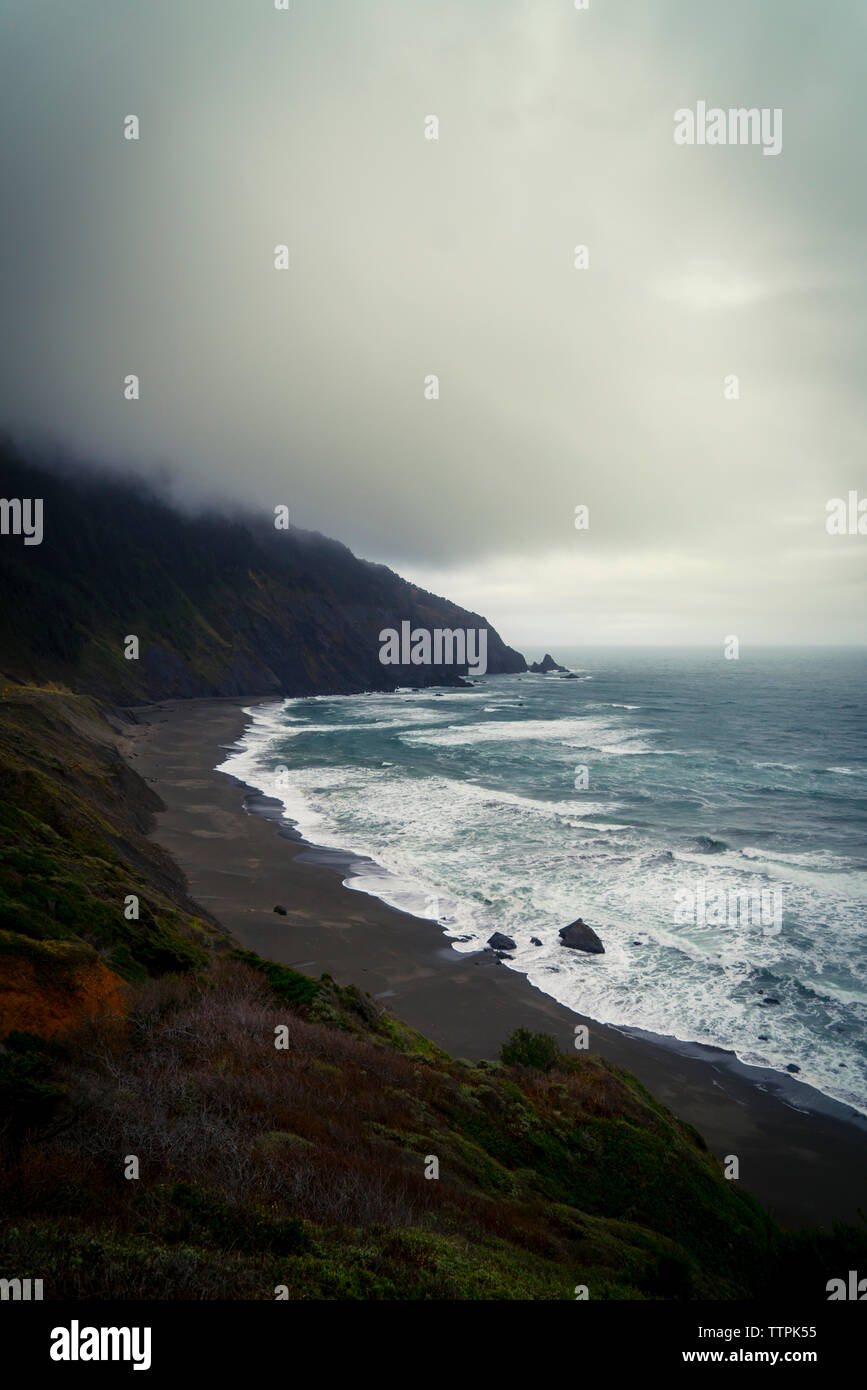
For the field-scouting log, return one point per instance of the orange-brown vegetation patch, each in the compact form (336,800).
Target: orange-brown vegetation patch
(36,1006)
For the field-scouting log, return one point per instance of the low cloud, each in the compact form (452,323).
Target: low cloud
(455,257)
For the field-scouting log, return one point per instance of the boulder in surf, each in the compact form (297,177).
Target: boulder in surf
(579,937)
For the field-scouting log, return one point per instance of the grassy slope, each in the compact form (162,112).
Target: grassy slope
(73,848)
(304,1166)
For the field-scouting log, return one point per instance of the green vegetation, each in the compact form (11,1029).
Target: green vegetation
(72,849)
(304,1166)
(29,1091)
(287,985)
(526,1049)
(284,1126)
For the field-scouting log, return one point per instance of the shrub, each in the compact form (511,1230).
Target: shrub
(28,1090)
(289,985)
(526,1049)
(205,1217)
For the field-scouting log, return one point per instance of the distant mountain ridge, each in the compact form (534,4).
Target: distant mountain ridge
(221,605)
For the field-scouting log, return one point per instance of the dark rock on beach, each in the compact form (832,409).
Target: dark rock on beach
(579,937)
(534,941)
(499,942)
(281,910)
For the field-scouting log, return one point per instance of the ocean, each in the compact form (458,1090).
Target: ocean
(707,817)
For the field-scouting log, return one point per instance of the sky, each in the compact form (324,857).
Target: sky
(607,387)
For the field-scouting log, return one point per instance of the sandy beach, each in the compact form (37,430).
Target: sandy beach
(801,1154)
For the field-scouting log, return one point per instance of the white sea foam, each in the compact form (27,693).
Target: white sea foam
(818,860)
(582,732)
(479,857)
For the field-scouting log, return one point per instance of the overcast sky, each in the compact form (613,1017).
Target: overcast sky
(454,257)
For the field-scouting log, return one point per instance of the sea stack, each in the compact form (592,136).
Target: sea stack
(579,937)
(547,664)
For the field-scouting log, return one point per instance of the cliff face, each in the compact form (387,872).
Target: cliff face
(220,606)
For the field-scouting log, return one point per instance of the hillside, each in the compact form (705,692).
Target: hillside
(73,848)
(221,606)
(300,1168)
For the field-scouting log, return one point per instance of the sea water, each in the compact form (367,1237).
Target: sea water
(527,801)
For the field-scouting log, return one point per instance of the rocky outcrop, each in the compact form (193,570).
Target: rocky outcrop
(499,942)
(579,937)
(547,664)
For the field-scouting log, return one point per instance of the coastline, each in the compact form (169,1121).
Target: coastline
(801,1154)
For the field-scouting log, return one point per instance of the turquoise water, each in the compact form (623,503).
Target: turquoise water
(702,775)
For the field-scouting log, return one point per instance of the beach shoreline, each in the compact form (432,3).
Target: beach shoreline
(800,1153)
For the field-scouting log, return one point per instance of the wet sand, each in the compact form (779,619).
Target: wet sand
(802,1155)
